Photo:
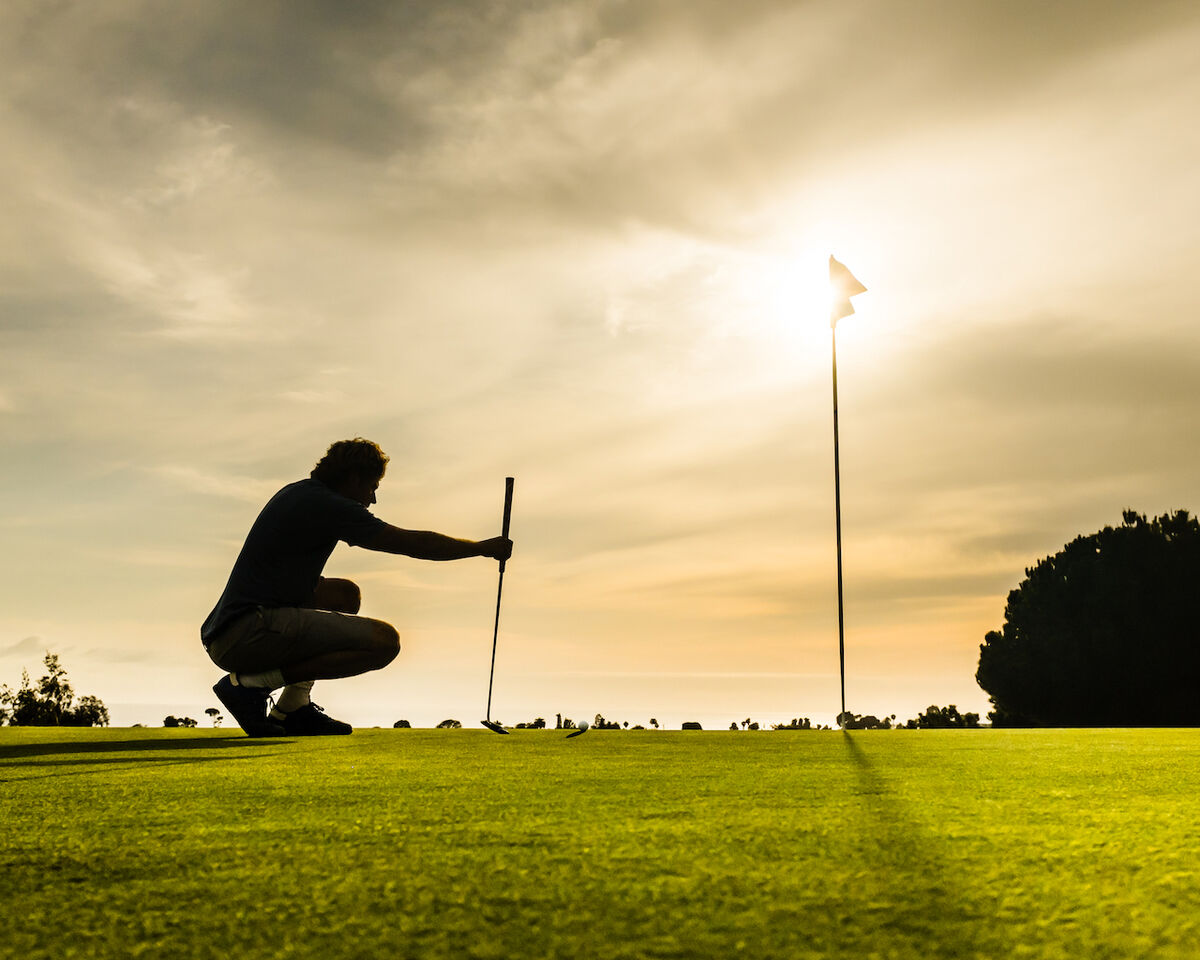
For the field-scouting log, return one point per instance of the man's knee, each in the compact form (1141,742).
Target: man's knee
(385,642)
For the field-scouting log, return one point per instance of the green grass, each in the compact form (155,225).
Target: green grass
(185,843)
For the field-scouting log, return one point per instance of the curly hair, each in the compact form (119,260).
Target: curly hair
(347,459)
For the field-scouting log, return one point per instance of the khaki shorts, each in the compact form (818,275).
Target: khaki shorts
(271,638)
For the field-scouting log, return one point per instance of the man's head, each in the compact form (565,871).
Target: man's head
(353,468)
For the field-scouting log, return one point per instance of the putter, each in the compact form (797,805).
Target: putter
(508,495)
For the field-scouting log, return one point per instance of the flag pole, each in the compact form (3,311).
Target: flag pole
(837,508)
(843,285)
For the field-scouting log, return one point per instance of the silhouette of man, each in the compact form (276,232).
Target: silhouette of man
(279,623)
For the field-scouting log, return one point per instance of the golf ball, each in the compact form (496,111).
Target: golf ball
(582,725)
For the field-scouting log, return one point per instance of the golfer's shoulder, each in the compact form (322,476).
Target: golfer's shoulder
(310,490)
(310,503)
(301,499)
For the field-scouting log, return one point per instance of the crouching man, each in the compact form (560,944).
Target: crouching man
(279,623)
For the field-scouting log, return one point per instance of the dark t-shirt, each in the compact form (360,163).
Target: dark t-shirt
(286,550)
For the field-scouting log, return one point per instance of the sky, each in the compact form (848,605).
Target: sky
(584,244)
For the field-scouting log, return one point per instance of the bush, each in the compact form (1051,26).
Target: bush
(943,718)
(853,721)
(796,724)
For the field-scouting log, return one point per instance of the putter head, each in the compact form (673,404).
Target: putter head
(494,726)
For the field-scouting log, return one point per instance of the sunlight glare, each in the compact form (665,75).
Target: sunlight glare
(783,302)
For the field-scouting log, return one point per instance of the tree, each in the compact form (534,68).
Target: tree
(215,715)
(18,705)
(54,690)
(90,712)
(1103,633)
(449,725)
(853,721)
(401,725)
(48,703)
(170,721)
(943,718)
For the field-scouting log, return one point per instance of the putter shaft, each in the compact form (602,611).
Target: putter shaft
(508,496)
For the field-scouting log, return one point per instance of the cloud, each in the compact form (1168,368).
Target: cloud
(1055,399)
(125,657)
(1067,365)
(314,396)
(244,489)
(572,112)
(29,647)
(610,119)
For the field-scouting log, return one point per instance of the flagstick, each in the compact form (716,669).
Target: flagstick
(845,285)
(837,504)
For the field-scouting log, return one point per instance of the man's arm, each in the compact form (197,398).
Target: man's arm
(427,545)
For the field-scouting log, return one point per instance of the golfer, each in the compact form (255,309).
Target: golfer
(279,623)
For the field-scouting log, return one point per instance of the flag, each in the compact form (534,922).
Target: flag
(844,286)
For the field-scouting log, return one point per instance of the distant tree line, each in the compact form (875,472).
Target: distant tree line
(50,702)
(934,718)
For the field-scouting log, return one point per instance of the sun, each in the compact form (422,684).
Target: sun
(795,288)
(784,299)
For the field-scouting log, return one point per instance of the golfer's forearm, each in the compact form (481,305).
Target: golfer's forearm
(425,545)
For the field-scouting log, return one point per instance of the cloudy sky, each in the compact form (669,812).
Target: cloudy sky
(583,244)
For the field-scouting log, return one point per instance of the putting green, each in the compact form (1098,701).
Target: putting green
(459,843)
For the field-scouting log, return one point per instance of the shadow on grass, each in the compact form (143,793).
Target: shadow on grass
(51,756)
(932,901)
